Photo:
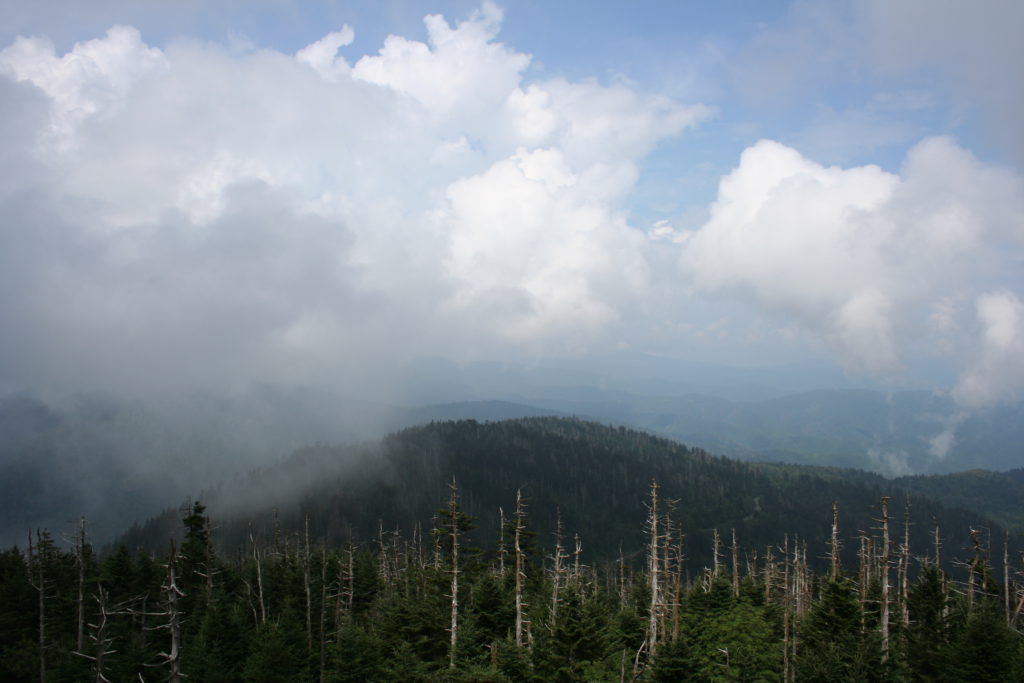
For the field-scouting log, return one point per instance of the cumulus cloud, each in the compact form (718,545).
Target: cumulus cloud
(192,212)
(996,370)
(871,262)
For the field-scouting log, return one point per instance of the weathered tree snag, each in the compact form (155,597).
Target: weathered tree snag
(520,566)
(652,568)
(172,594)
(323,611)
(735,566)
(833,546)
(80,561)
(501,542)
(37,558)
(453,511)
(787,665)
(905,568)
(884,607)
(556,578)
(1006,575)
(307,587)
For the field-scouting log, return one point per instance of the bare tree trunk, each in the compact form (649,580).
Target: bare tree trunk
(306,584)
(717,553)
(735,566)
(37,568)
(501,542)
(556,579)
(833,551)
(905,568)
(677,581)
(100,635)
(652,566)
(210,565)
(576,557)
(172,594)
(453,510)
(323,611)
(665,573)
(1006,575)
(259,579)
(622,579)
(972,569)
(786,664)
(520,565)
(884,612)
(382,564)
(863,576)
(80,560)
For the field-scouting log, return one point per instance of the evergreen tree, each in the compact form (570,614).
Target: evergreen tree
(832,646)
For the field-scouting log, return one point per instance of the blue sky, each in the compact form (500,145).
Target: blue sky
(227,192)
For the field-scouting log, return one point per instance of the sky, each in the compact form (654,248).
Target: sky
(223,192)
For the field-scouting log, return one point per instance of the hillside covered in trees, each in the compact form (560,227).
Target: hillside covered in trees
(535,549)
(594,476)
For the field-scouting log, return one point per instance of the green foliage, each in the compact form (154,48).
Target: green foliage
(382,611)
(832,642)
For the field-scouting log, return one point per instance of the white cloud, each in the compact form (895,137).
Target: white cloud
(93,76)
(202,213)
(323,54)
(996,373)
(861,257)
(462,70)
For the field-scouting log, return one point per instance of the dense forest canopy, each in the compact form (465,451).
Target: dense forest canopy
(536,549)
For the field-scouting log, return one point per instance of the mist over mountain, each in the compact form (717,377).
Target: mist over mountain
(595,477)
(116,460)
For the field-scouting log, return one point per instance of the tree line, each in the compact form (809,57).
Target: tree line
(429,605)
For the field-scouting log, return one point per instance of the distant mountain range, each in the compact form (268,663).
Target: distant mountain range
(891,433)
(117,461)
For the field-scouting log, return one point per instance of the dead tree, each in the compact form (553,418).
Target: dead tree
(323,610)
(1006,575)
(576,557)
(259,579)
(306,584)
(904,574)
(652,573)
(717,542)
(501,542)
(172,594)
(557,569)
(787,665)
(81,551)
(735,566)
(623,597)
(453,511)
(833,546)
(520,529)
(38,559)
(974,569)
(99,634)
(884,557)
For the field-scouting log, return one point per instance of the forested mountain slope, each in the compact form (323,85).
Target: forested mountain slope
(597,477)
